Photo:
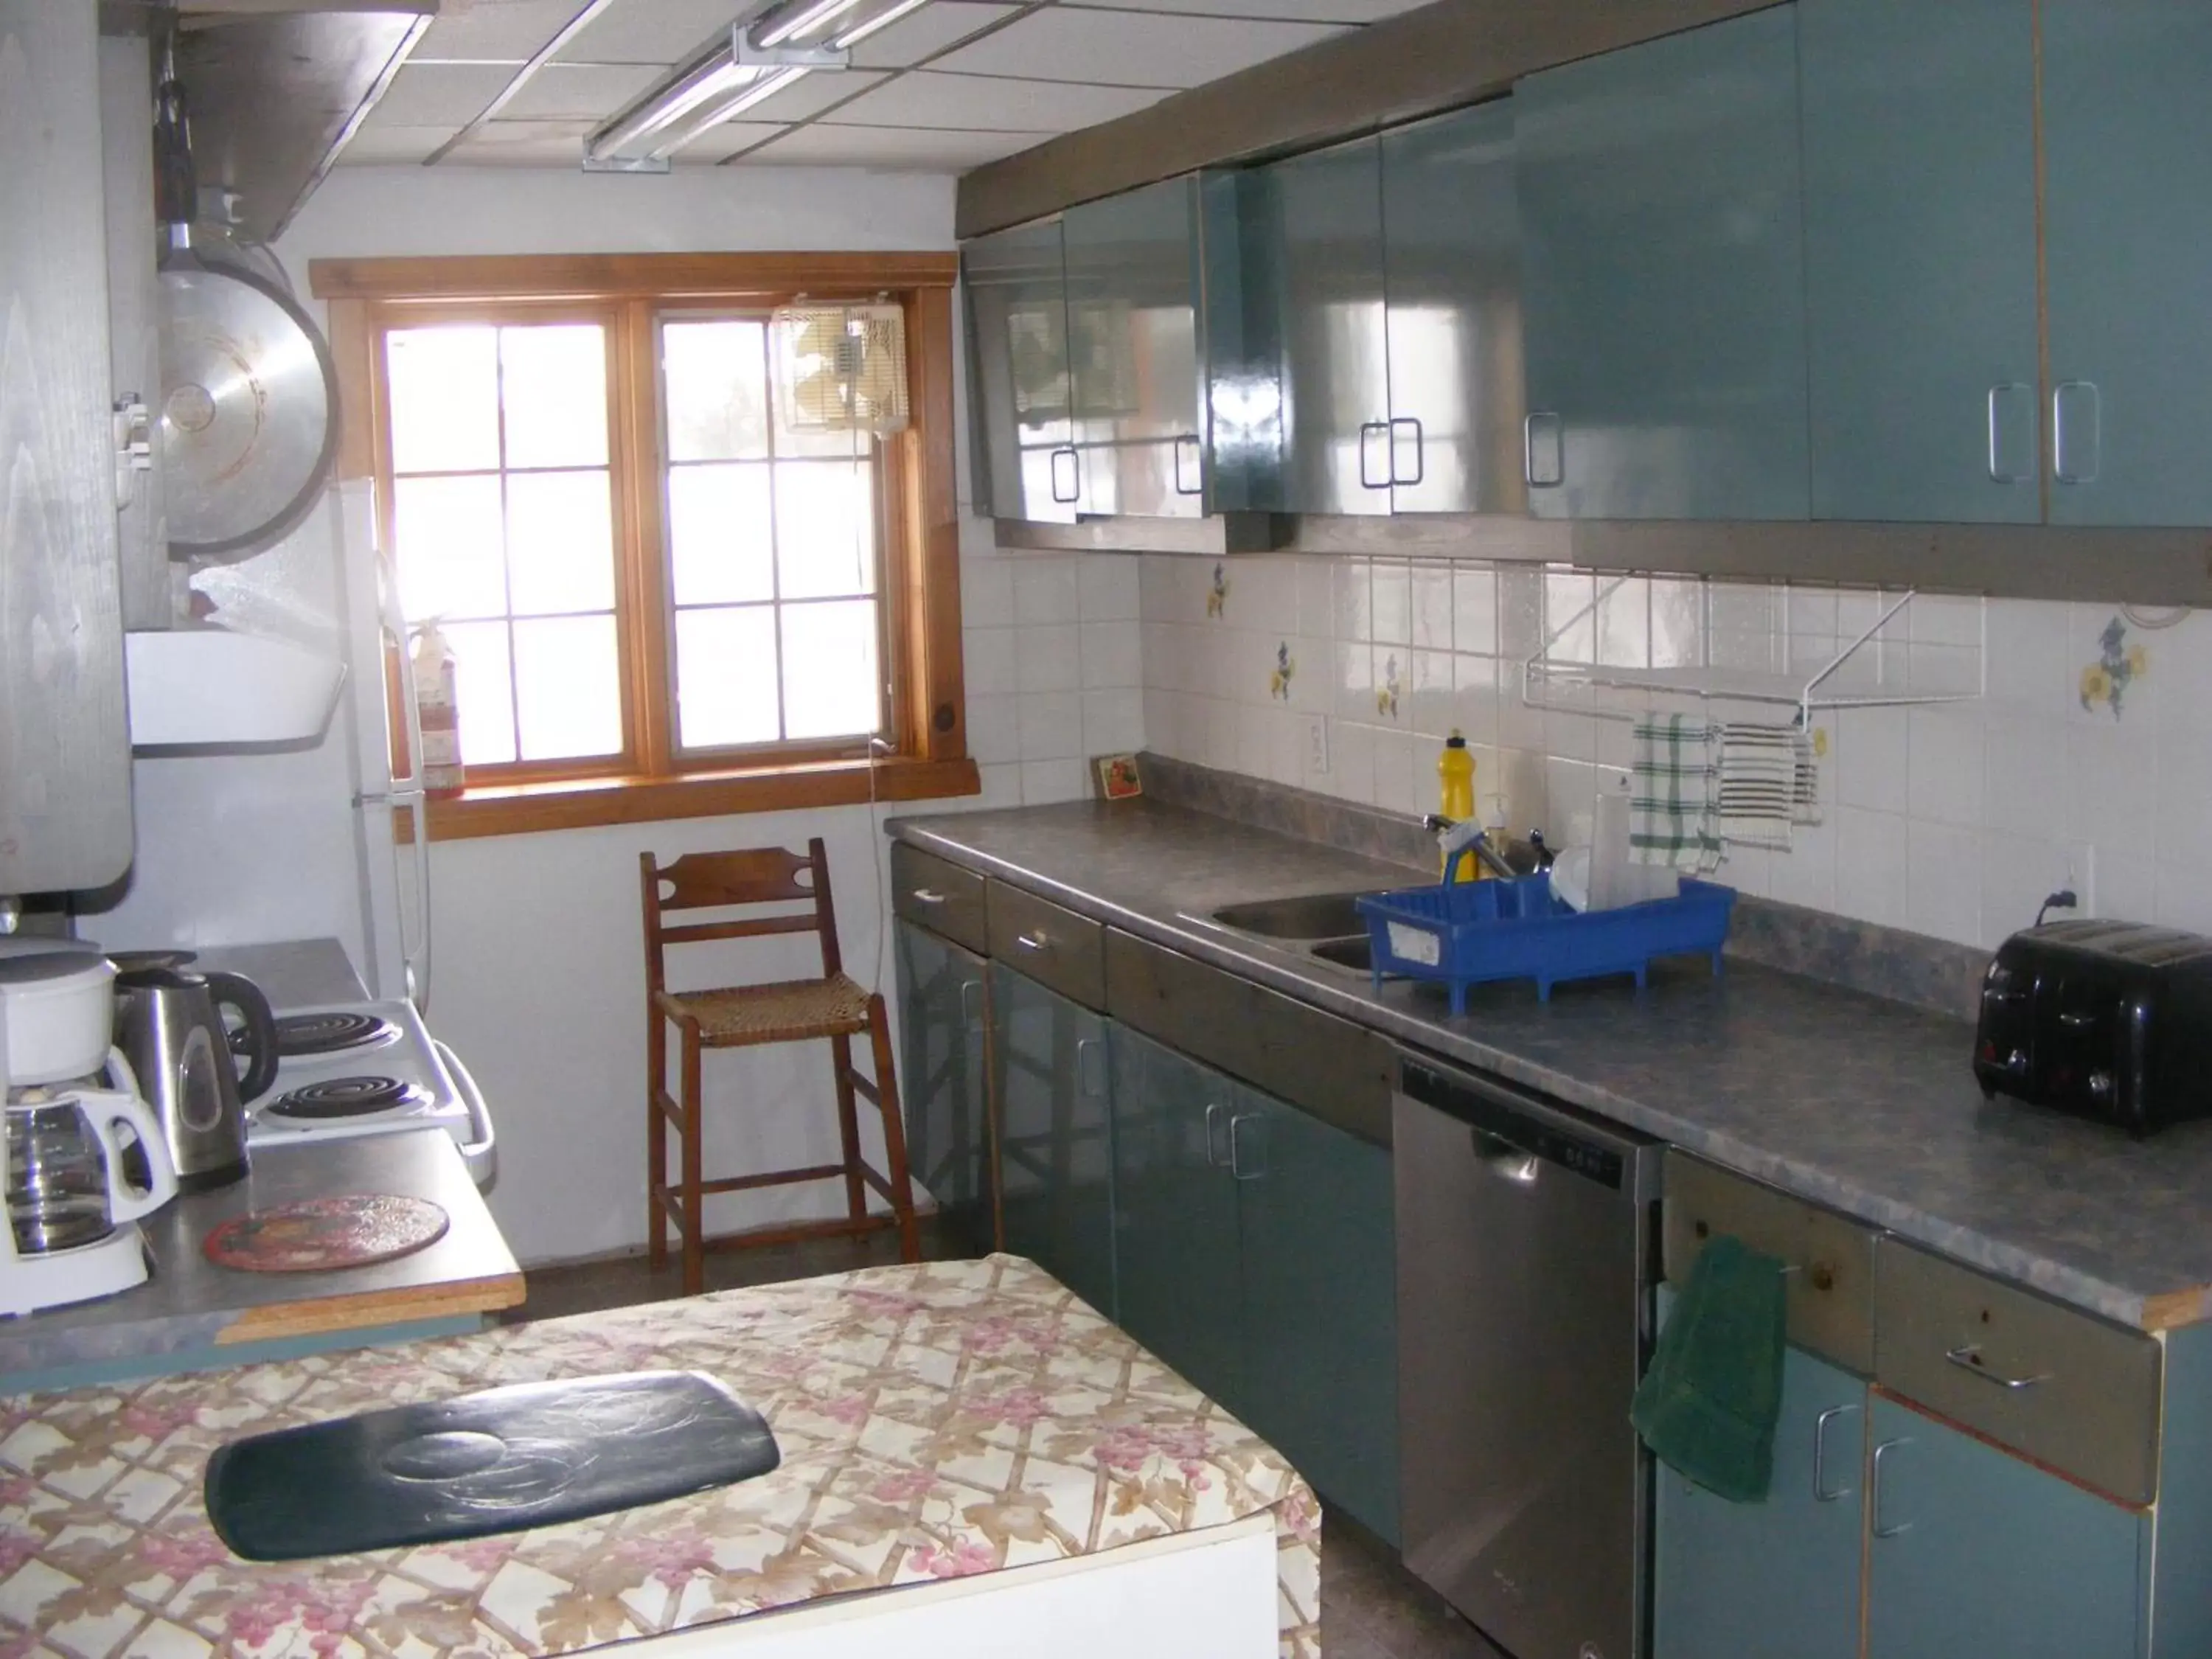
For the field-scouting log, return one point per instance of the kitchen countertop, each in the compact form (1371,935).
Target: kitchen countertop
(189,1307)
(1866,1106)
(935,1421)
(307,973)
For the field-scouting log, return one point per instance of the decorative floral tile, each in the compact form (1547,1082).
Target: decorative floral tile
(1217,594)
(1285,670)
(2105,682)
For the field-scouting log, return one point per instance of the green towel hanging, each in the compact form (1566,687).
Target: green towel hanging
(1709,1403)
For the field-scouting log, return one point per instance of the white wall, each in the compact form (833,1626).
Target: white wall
(538,965)
(1951,820)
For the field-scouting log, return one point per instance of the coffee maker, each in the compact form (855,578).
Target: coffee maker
(72,1111)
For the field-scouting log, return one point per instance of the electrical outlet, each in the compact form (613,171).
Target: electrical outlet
(1317,745)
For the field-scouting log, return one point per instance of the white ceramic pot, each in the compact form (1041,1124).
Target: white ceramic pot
(57,1014)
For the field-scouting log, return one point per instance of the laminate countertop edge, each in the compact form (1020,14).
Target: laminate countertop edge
(1287,970)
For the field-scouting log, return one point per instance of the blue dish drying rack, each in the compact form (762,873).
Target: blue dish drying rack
(1462,934)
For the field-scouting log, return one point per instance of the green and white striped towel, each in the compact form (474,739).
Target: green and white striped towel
(1670,798)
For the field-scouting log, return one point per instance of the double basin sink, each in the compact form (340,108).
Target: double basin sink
(1328,925)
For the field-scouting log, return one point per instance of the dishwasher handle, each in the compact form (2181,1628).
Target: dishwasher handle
(1517,1132)
(1502,1158)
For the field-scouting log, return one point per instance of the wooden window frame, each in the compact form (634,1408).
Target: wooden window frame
(919,592)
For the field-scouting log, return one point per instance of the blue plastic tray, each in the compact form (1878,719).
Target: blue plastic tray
(1471,933)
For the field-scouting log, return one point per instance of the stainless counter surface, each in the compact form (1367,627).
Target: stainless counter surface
(1863,1105)
(189,1304)
(307,973)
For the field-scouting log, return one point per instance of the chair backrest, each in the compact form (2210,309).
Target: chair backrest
(724,881)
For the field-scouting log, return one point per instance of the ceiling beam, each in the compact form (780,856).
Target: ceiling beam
(1442,55)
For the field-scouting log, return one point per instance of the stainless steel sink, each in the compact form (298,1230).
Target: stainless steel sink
(1354,953)
(1310,916)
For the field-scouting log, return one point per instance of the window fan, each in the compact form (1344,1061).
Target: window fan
(842,368)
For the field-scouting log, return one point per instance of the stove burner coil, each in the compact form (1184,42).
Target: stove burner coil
(345,1097)
(301,1035)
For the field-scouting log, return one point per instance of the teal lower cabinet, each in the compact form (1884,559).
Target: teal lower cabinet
(1777,1580)
(1049,1073)
(1317,1226)
(1255,1252)
(1175,1212)
(942,1064)
(1972,1550)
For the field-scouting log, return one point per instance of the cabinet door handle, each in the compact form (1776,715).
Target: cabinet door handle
(1367,431)
(1197,484)
(926,895)
(1035,941)
(1880,1528)
(1066,453)
(1969,1360)
(973,1021)
(2075,457)
(1544,432)
(1822,1493)
(1420,467)
(1237,1148)
(1999,472)
(1212,1113)
(1086,1049)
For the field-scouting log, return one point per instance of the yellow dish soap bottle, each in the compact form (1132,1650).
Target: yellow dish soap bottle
(1455,790)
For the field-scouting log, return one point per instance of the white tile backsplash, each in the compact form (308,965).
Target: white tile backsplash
(1050,658)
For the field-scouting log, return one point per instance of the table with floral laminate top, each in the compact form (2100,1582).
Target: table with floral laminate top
(936,1421)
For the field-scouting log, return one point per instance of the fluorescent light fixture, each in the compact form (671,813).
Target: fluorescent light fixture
(769,47)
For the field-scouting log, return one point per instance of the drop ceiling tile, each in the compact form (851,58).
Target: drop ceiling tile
(391,146)
(717,143)
(652,31)
(492,30)
(427,95)
(1130,49)
(1302,11)
(812,94)
(587,92)
(891,148)
(921,34)
(979,103)
(522,143)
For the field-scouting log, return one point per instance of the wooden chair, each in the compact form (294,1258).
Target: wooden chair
(791,1010)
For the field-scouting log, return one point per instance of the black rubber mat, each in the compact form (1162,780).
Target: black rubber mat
(502,1461)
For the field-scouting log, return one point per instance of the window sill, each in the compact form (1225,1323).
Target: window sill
(588,803)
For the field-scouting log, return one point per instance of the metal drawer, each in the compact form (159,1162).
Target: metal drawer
(2067,1389)
(1331,1068)
(1052,946)
(1831,1294)
(941,897)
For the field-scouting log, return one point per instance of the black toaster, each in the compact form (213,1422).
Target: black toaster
(2111,1020)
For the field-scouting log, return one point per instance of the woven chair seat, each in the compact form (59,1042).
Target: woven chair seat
(785,1011)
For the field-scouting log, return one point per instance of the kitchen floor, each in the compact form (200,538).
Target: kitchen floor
(1371,1608)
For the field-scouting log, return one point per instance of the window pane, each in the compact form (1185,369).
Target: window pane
(830,669)
(450,547)
(715,376)
(554,393)
(567,688)
(560,542)
(445,399)
(825,529)
(721,533)
(482,688)
(726,678)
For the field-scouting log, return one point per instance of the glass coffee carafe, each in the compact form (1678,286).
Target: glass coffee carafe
(67,1183)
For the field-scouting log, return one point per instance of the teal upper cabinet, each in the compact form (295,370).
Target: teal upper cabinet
(1452,273)
(1662,279)
(1049,1068)
(2128,147)
(1777,1580)
(1322,214)
(1972,1550)
(1132,352)
(1919,124)
(1021,418)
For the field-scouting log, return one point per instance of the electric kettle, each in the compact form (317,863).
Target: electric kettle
(169,1023)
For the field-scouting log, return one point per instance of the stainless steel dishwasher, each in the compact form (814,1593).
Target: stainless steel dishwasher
(1526,1237)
